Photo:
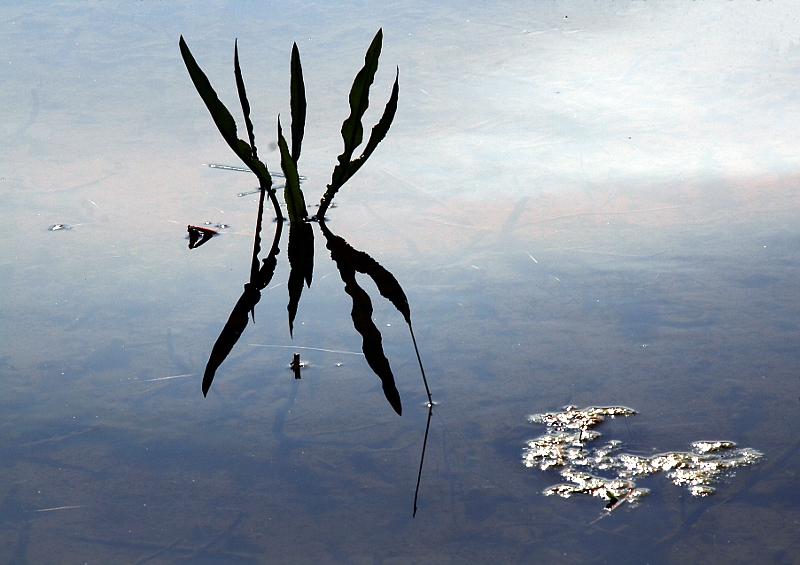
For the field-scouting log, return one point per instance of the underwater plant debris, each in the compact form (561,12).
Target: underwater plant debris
(565,446)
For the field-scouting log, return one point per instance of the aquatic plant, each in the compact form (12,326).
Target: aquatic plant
(349,261)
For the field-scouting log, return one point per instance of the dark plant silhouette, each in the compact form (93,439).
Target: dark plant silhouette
(349,261)
(301,236)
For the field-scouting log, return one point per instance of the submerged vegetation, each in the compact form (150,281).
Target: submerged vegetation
(565,446)
(349,261)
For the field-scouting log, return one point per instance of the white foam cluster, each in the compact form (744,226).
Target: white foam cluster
(565,446)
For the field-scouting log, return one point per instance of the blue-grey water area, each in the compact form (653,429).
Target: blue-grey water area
(586,205)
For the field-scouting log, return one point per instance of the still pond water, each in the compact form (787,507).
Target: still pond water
(587,205)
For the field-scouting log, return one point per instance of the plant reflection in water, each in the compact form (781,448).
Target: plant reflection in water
(349,261)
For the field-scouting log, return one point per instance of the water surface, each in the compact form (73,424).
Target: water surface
(585,205)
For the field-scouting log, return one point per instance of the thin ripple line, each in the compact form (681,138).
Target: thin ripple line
(311,348)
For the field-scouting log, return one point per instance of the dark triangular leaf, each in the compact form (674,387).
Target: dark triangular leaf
(372,342)
(233,329)
(301,261)
(237,321)
(295,203)
(298,104)
(237,71)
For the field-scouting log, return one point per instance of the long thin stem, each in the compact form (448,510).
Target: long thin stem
(266,185)
(275,205)
(254,265)
(422,458)
(422,370)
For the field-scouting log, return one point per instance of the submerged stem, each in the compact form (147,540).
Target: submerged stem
(254,265)
(422,457)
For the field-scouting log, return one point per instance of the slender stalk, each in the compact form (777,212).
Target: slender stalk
(274,250)
(265,184)
(275,205)
(254,265)
(422,457)
(428,425)
(421,368)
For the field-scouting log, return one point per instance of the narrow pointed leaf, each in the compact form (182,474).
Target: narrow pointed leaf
(301,262)
(372,342)
(372,345)
(363,263)
(298,104)
(222,118)
(237,321)
(352,129)
(380,129)
(231,333)
(295,203)
(237,71)
(346,169)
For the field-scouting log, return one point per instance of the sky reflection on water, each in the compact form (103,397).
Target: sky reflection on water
(585,204)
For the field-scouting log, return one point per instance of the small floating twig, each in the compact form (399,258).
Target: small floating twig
(296,365)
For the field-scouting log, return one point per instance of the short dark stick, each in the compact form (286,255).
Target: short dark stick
(295,365)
